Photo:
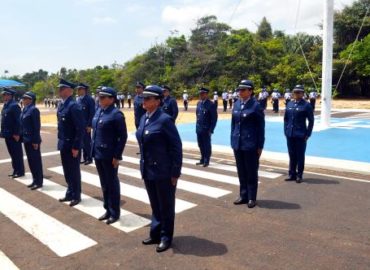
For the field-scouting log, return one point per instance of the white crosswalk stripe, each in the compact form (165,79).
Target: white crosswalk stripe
(230,168)
(6,263)
(127,190)
(182,184)
(60,238)
(128,221)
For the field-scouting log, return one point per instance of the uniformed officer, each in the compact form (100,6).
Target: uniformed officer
(206,113)
(287,96)
(109,140)
(129,100)
(160,165)
(87,104)
(70,135)
(185,98)
(297,132)
(262,98)
(313,97)
(224,99)
(30,127)
(230,98)
(139,111)
(275,100)
(247,140)
(10,131)
(215,99)
(169,103)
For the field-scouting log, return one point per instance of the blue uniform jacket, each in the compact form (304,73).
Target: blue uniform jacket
(170,107)
(70,125)
(10,119)
(31,124)
(296,113)
(87,104)
(138,109)
(160,147)
(247,126)
(109,134)
(206,116)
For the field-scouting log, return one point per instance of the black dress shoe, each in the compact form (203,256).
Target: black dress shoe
(65,199)
(74,202)
(206,164)
(30,185)
(36,187)
(150,241)
(111,220)
(299,180)
(290,178)
(199,163)
(163,246)
(251,204)
(17,175)
(87,162)
(240,201)
(104,217)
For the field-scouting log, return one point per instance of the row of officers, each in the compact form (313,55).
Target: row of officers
(159,142)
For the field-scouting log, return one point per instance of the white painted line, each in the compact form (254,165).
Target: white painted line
(197,173)
(93,207)
(6,263)
(60,238)
(181,184)
(47,154)
(127,190)
(230,168)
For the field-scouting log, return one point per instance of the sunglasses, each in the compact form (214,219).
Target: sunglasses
(103,97)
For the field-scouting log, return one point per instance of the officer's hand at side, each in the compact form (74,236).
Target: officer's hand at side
(16,138)
(174,181)
(74,153)
(35,146)
(115,163)
(88,129)
(259,152)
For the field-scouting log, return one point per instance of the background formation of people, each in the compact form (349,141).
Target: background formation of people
(94,128)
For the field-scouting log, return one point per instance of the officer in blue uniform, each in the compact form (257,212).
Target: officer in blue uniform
(109,140)
(87,104)
(11,131)
(247,140)
(160,165)
(297,132)
(139,111)
(206,122)
(30,127)
(70,134)
(169,103)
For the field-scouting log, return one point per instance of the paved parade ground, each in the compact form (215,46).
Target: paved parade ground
(323,223)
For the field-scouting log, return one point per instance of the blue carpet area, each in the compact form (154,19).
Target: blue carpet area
(346,139)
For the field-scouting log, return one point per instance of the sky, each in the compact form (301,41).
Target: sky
(50,34)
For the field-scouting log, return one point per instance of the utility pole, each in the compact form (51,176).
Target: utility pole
(327,63)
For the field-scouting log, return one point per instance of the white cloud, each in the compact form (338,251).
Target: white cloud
(104,20)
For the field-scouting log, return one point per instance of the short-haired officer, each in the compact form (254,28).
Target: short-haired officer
(206,113)
(87,104)
(169,103)
(139,111)
(11,131)
(30,127)
(160,165)
(297,132)
(247,140)
(70,135)
(109,140)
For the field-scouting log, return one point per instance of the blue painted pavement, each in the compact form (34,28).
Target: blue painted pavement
(346,139)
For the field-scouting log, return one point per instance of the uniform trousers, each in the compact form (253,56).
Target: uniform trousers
(110,186)
(247,163)
(162,201)
(16,154)
(296,150)
(35,163)
(72,173)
